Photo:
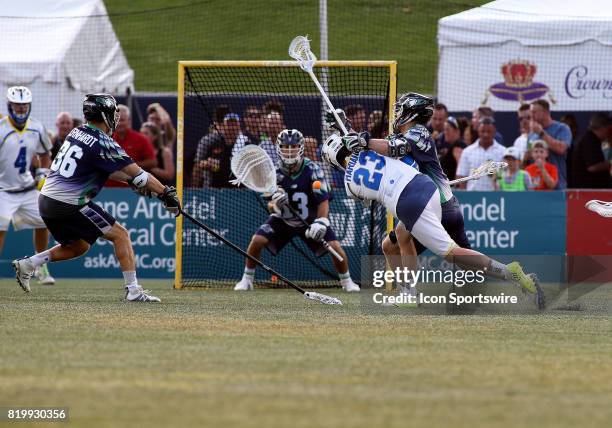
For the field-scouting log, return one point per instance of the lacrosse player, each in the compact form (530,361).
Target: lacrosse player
(23,138)
(84,162)
(302,185)
(414,199)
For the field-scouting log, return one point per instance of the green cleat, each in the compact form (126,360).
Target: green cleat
(518,276)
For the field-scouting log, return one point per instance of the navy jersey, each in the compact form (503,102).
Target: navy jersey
(83,164)
(423,151)
(302,197)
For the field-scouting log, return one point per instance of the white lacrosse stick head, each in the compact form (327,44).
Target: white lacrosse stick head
(253,168)
(602,208)
(299,50)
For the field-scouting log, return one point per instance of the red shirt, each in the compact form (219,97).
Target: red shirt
(536,175)
(137,146)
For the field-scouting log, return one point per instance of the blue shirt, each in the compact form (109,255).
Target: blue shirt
(559,131)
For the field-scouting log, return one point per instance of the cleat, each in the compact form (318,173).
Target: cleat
(137,294)
(244,285)
(24,269)
(411,291)
(349,286)
(540,300)
(43,275)
(519,277)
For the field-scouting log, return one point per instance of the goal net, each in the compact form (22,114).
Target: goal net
(225,105)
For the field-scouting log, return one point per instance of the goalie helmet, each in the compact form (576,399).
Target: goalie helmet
(21,96)
(101,108)
(335,152)
(412,107)
(290,146)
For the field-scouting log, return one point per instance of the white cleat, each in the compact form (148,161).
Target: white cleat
(349,286)
(43,275)
(137,294)
(24,269)
(244,285)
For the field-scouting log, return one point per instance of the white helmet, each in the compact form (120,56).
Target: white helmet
(18,95)
(335,152)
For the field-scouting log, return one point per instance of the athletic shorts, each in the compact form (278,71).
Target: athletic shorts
(69,223)
(278,233)
(427,229)
(452,222)
(22,209)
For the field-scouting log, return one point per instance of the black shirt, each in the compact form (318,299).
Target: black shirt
(587,153)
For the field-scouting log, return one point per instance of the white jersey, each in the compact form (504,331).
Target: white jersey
(371,176)
(17,148)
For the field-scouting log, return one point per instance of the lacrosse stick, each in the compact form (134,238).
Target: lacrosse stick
(487,168)
(602,208)
(253,167)
(311,295)
(299,50)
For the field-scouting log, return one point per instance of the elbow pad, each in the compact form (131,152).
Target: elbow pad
(141,179)
(398,147)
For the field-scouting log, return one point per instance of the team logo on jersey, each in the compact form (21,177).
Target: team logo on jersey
(518,84)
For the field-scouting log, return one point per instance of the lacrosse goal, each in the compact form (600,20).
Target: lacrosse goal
(260,98)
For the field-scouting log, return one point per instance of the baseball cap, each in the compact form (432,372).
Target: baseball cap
(452,122)
(539,143)
(512,152)
(231,116)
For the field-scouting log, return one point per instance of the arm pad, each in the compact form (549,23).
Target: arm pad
(398,146)
(141,179)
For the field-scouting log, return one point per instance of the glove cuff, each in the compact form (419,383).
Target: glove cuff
(323,220)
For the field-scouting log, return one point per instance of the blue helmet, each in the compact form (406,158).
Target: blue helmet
(286,142)
(19,95)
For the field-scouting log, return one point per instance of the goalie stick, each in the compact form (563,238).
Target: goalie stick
(487,168)
(307,294)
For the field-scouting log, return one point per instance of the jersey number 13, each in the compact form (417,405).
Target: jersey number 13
(66,161)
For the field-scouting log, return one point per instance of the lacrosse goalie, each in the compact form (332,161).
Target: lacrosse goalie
(414,199)
(301,186)
(23,138)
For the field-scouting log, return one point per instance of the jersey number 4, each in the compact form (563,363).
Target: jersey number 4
(66,161)
(367,175)
(21,161)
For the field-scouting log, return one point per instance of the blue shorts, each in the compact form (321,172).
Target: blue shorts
(414,199)
(278,233)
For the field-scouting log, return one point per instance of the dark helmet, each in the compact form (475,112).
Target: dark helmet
(101,108)
(290,137)
(412,107)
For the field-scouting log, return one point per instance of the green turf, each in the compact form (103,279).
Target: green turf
(402,30)
(271,359)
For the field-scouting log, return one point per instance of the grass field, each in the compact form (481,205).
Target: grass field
(271,359)
(156,33)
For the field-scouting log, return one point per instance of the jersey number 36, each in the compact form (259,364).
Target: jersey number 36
(66,160)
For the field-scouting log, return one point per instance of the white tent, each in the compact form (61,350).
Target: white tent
(61,50)
(511,51)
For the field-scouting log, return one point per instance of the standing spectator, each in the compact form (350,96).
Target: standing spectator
(483,149)
(274,125)
(356,114)
(64,124)
(480,113)
(376,125)
(591,169)
(544,175)
(251,133)
(436,127)
(452,133)
(214,152)
(164,171)
(160,117)
(524,117)
(310,149)
(557,136)
(136,145)
(513,178)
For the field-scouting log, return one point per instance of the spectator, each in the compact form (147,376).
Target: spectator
(467,134)
(479,113)
(311,146)
(570,120)
(136,145)
(513,178)
(164,171)
(590,167)
(544,175)
(160,117)
(64,124)
(452,133)
(76,122)
(557,136)
(214,152)
(524,117)
(252,124)
(356,114)
(274,125)
(485,148)
(436,127)
(273,105)
(376,125)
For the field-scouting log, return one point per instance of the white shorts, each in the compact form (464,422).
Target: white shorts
(21,209)
(428,229)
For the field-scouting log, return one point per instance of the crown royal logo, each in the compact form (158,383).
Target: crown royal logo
(518,84)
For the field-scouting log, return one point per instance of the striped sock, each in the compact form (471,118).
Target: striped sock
(344,276)
(248,274)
